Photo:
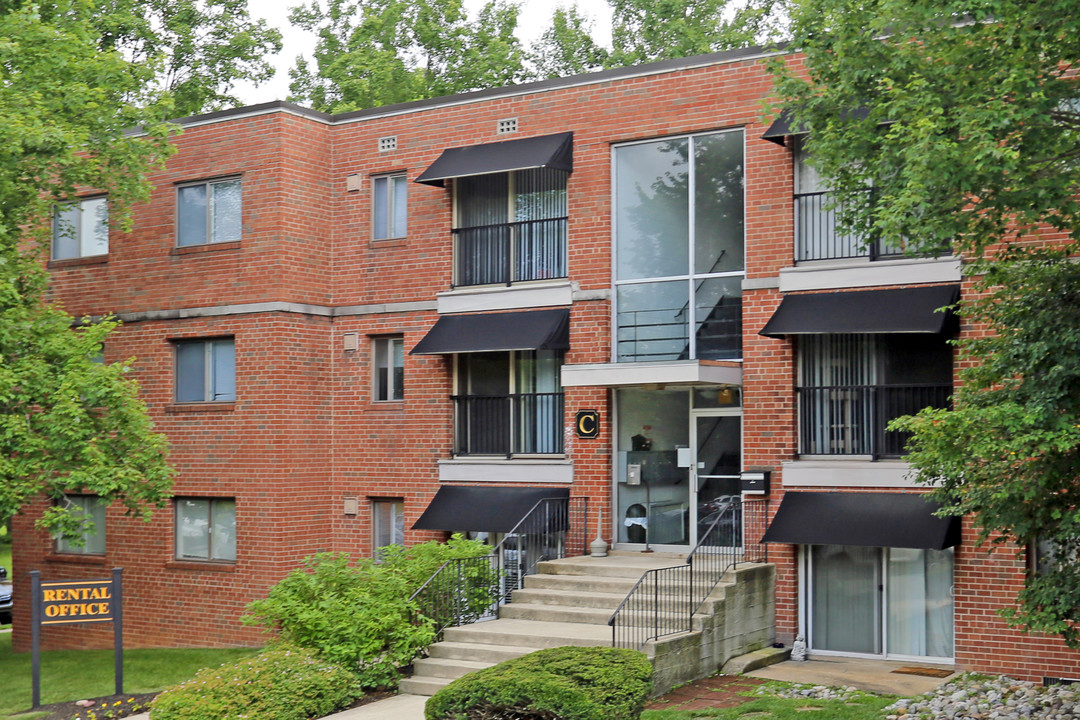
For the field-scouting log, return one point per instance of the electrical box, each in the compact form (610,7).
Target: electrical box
(633,474)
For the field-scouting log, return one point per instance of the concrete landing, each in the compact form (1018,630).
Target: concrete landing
(871,675)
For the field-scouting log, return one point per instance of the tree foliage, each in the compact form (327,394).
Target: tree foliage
(67,422)
(567,46)
(377,52)
(964,118)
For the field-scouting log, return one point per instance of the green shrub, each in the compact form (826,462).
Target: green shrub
(568,683)
(359,614)
(280,684)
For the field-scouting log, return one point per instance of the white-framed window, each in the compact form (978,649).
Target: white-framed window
(389,355)
(81,229)
(92,539)
(206,529)
(390,206)
(208,212)
(205,370)
(388,523)
(679,247)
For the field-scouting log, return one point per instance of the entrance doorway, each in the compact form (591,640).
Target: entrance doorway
(678,462)
(886,602)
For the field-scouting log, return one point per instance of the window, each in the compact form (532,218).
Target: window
(851,386)
(205,371)
(206,529)
(208,212)
(509,403)
(81,229)
(1045,554)
(679,237)
(389,523)
(92,539)
(390,206)
(389,368)
(510,227)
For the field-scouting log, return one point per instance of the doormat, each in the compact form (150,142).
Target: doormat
(924,672)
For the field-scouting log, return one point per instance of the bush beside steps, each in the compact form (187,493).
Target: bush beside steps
(567,683)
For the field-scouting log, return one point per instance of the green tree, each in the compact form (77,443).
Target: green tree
(377,52)
(67,422)
(964,118)
(567,47)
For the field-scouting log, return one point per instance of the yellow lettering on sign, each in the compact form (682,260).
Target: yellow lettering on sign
(50,595)
(52,610)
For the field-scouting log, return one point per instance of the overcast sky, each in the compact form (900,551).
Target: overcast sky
(531,23)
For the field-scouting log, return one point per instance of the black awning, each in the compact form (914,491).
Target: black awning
(901,520)
(491,332)
(546,151)
(904,310)
(458,508)
(784,126)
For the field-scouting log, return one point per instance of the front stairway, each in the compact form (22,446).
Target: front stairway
(569,602)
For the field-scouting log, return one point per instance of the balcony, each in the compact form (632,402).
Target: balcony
(506,425)
(507,253)
(817,236)
(851,420)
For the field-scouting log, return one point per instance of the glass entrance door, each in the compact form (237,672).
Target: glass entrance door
(717,466)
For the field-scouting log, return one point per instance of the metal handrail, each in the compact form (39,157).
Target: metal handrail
(465,590)
(664,600)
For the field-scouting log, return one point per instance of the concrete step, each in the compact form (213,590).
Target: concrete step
(534,634)
(621,565)
(475,652)
(539,596)
(555,613)
(422,685)
(446,667)
(582,583)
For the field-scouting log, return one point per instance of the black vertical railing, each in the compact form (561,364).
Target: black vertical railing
(818,235)
(520,424)
(852,420)
(506,253)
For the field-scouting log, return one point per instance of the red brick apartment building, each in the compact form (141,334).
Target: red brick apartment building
(337,316)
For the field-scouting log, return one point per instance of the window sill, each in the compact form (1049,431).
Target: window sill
(75,558)
(77,262)
(208,247)
(387,405)
(394,242)
(521,469)
(209,407)
(200,565)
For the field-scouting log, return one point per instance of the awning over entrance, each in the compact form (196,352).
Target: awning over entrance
(546,151)
(483,509)
(900,520)
(904,310)
(493,332)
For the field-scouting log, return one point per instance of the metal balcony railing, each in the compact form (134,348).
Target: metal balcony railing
(818,236)
(521,424)
(851,420)
(663,334)
(510,252)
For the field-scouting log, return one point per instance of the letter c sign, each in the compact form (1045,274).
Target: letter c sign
(587,424)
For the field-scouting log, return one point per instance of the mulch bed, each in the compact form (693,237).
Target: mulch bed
(718,691)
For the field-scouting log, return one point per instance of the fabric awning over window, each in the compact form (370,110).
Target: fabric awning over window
(484,509)
(904,310)
(784,125)
(546,151)
(493,332)
(900,520)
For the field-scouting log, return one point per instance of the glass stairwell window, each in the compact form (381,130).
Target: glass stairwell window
(852,386)
(510,227)
(679,239)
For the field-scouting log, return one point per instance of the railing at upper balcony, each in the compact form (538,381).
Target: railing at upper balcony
(510,252)
(818,236)
(851,420)
(662,334)
(521,424)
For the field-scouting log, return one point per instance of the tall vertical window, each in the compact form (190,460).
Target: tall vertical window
(206,529)
(510,227)
(679,248)
(92,539)
(81,229)
(390,206)
(208,212)
(389,368)
(205,370)
(389,523)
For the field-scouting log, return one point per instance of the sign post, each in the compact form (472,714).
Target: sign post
(72,602)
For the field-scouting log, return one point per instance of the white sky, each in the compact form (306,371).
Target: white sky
(532,21)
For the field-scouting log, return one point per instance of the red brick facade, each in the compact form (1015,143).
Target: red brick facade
(304,433)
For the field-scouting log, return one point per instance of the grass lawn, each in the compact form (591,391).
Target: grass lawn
(865,707)
(75,674)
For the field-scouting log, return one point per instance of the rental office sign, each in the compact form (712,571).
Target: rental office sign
(74,602)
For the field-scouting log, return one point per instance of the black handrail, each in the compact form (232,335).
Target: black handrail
(469,589)
(664,601)
(518,424)
(505,253)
